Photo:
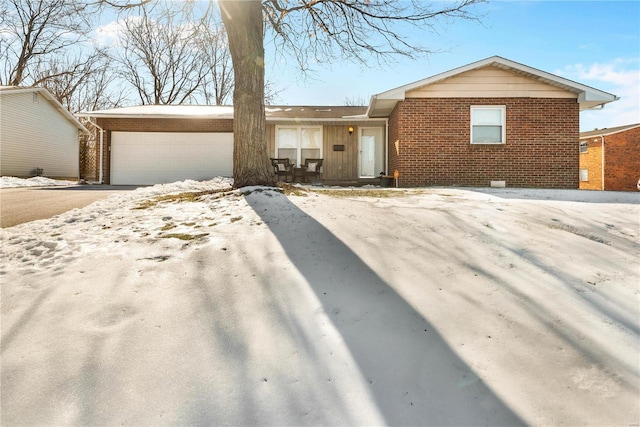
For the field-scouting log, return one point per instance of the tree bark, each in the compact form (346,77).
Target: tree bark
(244,25)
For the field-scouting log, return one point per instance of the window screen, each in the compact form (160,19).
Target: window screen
(487,125)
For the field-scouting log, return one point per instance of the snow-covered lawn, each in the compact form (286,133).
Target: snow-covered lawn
(434,306)
(36,181)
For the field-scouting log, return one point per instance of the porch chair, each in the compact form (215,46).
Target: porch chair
(312,169)
(282,167)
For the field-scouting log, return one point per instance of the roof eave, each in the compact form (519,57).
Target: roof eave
(66,113)
(590,100)
(591,97)
(151,116)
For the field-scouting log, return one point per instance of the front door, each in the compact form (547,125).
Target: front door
(370,152)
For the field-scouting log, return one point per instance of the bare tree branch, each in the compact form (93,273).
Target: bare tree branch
(34,31)
(173,55)
(81,83)
(313,31)
(316,31)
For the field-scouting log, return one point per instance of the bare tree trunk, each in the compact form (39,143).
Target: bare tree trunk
(244,25)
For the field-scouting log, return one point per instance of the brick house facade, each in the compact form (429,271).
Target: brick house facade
(492,122)
(616,151)
(434,147)
(431,127)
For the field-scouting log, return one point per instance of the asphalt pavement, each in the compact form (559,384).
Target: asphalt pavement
(25,204)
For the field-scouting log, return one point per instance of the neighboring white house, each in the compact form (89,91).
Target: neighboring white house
(38,136)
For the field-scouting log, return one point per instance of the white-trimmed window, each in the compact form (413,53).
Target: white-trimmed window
(584,174)
(584,147)
(298,143)
(488,124)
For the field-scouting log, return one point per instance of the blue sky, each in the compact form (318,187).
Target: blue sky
(596,43)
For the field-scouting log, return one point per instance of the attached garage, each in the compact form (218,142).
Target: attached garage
(145,158)
(157,144)
(154,144)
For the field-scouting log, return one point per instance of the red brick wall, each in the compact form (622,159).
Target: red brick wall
(622,160)
(434,133)
(154,125)
(394,135)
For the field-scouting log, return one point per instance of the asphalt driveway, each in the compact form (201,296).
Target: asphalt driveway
(25,204)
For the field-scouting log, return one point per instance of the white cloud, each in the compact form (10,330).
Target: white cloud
(109,34)
(620,77)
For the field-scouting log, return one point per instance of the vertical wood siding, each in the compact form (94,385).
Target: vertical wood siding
(337,165)
(33,134)
(340,165)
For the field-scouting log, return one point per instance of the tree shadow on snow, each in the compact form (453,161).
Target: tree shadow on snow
(412,374)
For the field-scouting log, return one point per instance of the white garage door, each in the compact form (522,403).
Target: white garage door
(139,158)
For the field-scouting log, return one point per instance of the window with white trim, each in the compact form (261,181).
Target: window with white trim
(298,143)
(584,174)
(584,147)
(488,124)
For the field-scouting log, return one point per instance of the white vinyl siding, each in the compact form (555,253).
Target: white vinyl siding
(145,158)
(488,124)
(298,143)
(34,134)
(490,82)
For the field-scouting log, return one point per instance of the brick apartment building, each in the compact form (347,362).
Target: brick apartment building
(610,158)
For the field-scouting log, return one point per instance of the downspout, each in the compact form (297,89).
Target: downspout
(79,142)
(602,157)
(386,137)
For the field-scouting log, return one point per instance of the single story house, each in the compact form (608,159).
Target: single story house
(492,122)
(153,144)
(610,158)
(38,136)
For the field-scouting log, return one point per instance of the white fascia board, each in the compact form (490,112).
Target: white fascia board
(587,92)
(596,95)
(399,92)
(208,117)
(559,81)
(346,119)
(163,112)
(151,116)
(371,106)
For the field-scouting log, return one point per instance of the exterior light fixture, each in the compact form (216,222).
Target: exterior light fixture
(350,130)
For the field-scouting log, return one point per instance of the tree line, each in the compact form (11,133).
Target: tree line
(161,54)
(179,52)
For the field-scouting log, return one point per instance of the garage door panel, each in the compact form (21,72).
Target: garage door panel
(158,157)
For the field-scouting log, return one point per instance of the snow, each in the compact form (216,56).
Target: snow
(436,306)
(200,111)
(36,181)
